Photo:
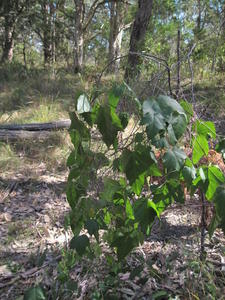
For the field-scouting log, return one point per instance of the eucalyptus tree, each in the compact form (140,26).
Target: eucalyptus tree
(83,16)
(117,26)
(44,21)
(11,11)
(138,35)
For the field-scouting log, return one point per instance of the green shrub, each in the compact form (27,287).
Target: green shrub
(110,187)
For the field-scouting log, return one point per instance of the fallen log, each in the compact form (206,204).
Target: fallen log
(14,135)
(63,124)
(41,131)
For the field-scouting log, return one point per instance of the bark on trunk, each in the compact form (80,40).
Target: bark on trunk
(47,41)
(53,31)
(137,39)
(7,54)
(116,34)
(24,54)
(199,18)
(78,36)
(178,64)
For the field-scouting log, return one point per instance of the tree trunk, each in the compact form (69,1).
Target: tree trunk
(53,15)
(199,18)
(112,32)
(47,36)
(78,36)
(137,39)
(24,53)
(221,62)
(178,64)
(116,34)
(8,47)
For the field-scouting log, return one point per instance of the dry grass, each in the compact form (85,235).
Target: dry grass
(27,155)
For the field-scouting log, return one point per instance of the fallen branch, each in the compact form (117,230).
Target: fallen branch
(14,135)
(25,275)
(63,124)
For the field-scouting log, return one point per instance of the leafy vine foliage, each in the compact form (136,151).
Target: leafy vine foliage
(121,184)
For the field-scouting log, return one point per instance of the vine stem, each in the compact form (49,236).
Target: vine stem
(203,226)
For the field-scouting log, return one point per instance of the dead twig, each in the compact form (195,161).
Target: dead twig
(27,274)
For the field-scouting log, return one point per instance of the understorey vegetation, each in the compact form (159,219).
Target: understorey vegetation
(145,171)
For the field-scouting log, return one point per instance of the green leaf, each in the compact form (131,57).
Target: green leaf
(125,242)
(158,113)
(145,212)
(139,138)
(189,174)
(136,165)
(91,117)
(215,222)
(205,128)
(202,174)
(78,126)
(71,159)
(138,184)
(75,221)
(114,97)
(80,243)
(108,124)
(215,178)
(168,106)
(73,192)
(110,188)
(83,104)
(160,142)
(188,162)
(129,210)
(171,135)
(75,139)
(155,171)
(161,197)
(174,159)
(176,191)
(92,228)
(179,124)
(219,201)
(107,218)
(187,108)
(34,293)
(200,148)
(153,118)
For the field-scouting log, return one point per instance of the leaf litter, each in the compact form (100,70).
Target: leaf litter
(32,211)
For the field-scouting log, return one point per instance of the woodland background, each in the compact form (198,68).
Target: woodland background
(51,52)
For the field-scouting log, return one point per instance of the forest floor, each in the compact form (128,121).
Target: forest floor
(33,207)
(167,266)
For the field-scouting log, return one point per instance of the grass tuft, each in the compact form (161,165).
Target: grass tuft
(8,158)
